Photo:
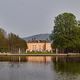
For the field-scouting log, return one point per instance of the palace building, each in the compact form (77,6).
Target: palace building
(39,45)
(39,42)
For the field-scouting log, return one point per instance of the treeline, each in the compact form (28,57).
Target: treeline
(66,33)
(11,42)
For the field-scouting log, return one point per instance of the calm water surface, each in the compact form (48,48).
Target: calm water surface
(39,71)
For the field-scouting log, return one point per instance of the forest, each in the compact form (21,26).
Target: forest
(11,42)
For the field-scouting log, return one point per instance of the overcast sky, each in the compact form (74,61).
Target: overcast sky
(29,17)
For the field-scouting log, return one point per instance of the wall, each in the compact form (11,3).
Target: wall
(39,46)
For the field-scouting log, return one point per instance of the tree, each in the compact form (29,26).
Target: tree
(66,33)
(3,41)
(11,42)
(16,43)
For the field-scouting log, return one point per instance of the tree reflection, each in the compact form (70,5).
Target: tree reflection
(14,64)
(67,67)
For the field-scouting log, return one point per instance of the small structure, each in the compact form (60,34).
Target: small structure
(39,45)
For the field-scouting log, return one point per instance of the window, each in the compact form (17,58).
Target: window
(34,47)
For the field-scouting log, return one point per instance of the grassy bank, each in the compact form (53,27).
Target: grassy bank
(39,52)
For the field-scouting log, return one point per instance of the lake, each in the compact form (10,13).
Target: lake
(39,71)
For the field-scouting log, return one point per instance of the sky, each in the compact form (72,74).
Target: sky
(30,17)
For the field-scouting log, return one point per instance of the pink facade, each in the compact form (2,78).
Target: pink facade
(39,46)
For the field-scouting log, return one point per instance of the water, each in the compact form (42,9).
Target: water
(39,71)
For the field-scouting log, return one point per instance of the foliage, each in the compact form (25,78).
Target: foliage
(11,42)
(16,43)
(38,52)
(66,33)
(3,41)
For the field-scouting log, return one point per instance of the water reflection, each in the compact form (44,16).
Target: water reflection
(14,64)
(26,71)
(67,70)
(40,71)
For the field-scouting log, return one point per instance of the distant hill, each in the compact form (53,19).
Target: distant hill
(38,37)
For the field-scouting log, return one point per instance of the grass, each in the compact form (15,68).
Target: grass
(39,52)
